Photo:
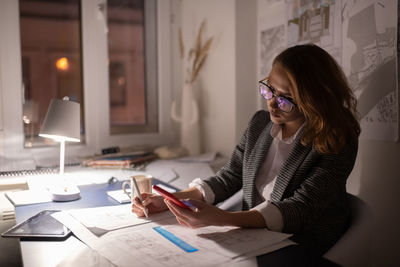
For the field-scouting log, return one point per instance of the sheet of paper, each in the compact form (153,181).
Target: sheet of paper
(279,245)
(140,244)
(85,256)
(143,245)
(149,248)
(79,230)
(101,220)
(26,197)
(120,196)
(229,241)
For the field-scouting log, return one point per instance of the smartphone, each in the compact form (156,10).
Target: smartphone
(169,196)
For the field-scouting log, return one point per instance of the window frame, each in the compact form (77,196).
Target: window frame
(95,84)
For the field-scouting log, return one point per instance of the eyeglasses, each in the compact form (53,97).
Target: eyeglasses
(268,92)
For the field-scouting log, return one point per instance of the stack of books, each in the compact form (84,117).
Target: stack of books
(120,160)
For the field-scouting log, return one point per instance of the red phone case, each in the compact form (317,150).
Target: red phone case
(170,196)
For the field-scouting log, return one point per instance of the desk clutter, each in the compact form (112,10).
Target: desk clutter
(120,160)
(129,158)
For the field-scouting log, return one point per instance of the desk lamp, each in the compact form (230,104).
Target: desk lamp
(62,123)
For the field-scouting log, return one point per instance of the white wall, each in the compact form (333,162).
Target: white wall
(246,72)
(227,82)
(10,78)
(376,179)
(217,79)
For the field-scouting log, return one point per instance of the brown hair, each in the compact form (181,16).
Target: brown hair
(323,95)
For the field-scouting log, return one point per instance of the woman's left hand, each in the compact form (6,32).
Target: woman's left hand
(204,215)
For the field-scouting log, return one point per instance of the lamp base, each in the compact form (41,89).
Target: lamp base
(63,193)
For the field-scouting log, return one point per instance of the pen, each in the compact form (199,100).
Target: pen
(139,196)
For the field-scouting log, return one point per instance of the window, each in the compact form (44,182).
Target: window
(51,60)
(131,46)
(93,57)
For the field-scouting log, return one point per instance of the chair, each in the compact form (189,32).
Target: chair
(353,248)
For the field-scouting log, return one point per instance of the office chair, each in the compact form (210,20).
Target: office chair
(353,248)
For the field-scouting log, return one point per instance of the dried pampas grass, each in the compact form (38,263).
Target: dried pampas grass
(197,55)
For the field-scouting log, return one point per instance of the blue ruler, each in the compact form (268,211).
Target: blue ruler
(174,239)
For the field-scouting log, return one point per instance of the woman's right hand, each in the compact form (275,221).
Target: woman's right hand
(153,203)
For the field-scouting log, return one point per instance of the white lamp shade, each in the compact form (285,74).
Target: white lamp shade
(62,121)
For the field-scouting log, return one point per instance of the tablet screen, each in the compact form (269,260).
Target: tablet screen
(39,225)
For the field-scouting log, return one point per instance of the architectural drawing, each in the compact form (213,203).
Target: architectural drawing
(272,41)
(369,61)
(315,21)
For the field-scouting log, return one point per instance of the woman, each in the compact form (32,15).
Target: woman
(292,161)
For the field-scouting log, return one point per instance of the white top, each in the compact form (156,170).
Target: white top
(266,177)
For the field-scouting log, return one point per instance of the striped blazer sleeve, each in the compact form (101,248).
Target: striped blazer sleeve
(230,178)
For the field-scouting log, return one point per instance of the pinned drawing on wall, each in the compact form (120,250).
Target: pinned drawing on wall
(189,117)
(369,62)
(361,36)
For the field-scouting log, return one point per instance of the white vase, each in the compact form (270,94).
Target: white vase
(189,120)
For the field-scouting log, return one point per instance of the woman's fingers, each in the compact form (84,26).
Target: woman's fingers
(184,216)
(138,206)
(177,211)
(172,208)
(138,211)
(198,204)
(151,203)
(146,200)
(183,222)
(203,215)
(137,202)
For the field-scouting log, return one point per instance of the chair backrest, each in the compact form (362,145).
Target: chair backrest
(353,248)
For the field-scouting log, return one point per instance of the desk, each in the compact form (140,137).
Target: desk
(91,196)
(39,253)
(50,253)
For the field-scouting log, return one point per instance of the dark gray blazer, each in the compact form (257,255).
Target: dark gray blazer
(310,190)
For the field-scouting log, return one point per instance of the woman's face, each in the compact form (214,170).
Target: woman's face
(279,80)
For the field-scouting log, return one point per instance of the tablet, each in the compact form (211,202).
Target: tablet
(41,225)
